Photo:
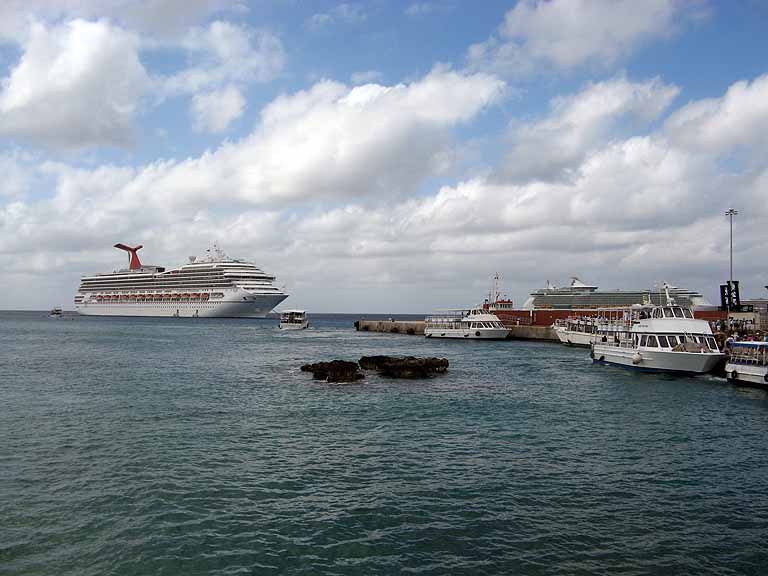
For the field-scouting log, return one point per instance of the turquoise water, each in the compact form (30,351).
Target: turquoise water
(181,446)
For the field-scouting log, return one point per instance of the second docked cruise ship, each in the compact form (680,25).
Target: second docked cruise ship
(214,286)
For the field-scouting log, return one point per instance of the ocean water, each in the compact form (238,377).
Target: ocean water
(182,446)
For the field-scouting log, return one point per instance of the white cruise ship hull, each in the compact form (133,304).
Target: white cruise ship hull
(657,360)
(231,306)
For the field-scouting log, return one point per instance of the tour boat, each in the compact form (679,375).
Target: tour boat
(748,363)
(660,338)
(55,312)
(476,323)
(581,330)
(293,320)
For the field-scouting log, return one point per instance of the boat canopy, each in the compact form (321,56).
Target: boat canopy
(748,344)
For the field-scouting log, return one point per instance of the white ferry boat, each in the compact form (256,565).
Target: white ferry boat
(660,338)
(476,323)
(748,363)
(582,330)
(293,320)
(214,286)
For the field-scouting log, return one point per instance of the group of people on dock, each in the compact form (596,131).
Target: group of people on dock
(726,333)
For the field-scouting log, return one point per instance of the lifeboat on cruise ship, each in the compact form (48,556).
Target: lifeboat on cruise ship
(194,296)
(205,296)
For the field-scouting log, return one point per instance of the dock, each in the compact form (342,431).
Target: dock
(545,333)
(412,327)
(416,328)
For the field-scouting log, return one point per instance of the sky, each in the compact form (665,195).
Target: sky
(385,156)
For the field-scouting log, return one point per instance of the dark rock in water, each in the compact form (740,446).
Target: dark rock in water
(334,371)
(373,362)
(408,367)
(390,366)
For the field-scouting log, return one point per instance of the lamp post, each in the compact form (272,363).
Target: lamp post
(731,212)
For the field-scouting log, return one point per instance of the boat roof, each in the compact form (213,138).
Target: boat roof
(292,311)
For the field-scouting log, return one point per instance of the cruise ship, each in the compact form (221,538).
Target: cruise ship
(215,286)
(581,296)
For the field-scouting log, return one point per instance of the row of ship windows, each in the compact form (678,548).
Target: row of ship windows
(167,306)
(670,340)
(171,285)
(125,298)
(98,287)
(179,277)
(457,324)
(172,280)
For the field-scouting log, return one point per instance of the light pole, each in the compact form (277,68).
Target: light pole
(731,212)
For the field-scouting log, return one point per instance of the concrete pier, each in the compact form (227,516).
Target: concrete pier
(532,333)
(414,327)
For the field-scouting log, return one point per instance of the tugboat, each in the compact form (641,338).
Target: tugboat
(293,320)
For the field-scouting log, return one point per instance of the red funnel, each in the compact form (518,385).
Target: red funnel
(135,263)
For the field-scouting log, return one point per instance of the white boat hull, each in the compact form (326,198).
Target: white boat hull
(571,338)
(755,375)
(294,326)
(657,360)
(231,306)
(477,334)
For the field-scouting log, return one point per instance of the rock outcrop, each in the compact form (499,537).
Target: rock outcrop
(389,366)
(404,367)
(334,371)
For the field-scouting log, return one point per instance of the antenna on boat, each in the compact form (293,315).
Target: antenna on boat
(670,300)
(495,293)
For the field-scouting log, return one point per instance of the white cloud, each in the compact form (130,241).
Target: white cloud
(16,180)
(76,85)
(740,118)
(551,148)
(225,53)
(163,19)
(215,111)
(346,13)
(565,34)
(328,142)
(636,208)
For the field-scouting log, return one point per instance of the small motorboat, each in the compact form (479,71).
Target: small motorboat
(293,320)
